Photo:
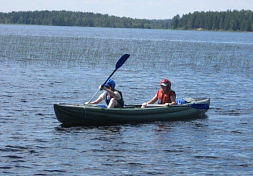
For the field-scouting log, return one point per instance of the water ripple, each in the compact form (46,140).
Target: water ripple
(67,65)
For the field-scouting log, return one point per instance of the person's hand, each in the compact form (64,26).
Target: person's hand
(101,87)
(144,105)
(166,104)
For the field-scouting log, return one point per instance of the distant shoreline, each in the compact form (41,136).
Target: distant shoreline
(236,21)
(198,30)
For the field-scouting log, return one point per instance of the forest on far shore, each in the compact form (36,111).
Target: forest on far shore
(226,21)
(85,19)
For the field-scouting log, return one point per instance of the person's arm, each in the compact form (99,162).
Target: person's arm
(173,100)
(100,98)
(115,94)
(153,100)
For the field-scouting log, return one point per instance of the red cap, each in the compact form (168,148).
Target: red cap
(165,82)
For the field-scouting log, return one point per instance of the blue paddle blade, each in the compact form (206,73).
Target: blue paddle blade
(199,106)
(121,61)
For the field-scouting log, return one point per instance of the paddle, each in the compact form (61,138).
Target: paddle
(199,106)
(195,106)
(120,62)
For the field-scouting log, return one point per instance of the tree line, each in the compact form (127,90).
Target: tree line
(228,20)
(87,19)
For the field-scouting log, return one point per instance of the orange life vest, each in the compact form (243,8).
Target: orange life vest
(164,97)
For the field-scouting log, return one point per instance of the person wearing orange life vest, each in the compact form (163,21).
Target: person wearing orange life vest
(164,96)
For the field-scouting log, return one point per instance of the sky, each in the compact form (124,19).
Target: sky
(141,9)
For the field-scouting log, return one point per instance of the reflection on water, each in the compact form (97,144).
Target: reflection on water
(42,65)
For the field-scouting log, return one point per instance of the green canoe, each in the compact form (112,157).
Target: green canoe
(96,115)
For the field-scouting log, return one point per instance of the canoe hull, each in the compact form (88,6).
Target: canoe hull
(93,115)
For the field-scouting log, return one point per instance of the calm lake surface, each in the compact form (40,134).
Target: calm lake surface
(43,65)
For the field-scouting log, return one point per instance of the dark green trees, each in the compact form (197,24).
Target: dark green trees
(69,18)
(229,20)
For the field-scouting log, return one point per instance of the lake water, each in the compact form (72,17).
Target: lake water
(43,65)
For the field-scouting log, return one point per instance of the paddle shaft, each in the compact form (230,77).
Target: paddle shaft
(195,106)
(109,78)
(102,85)
(120,62)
